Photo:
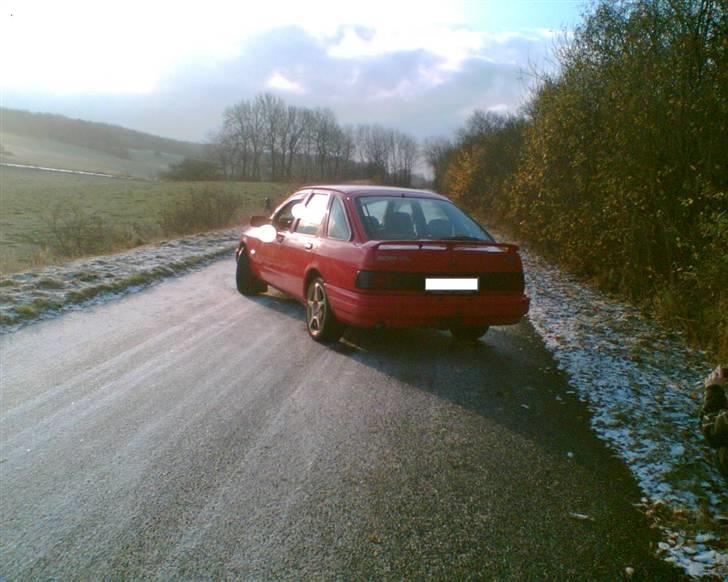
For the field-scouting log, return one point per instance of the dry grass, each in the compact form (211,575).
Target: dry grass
(47,217)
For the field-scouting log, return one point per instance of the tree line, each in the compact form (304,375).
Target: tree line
(266,139)
(617,165)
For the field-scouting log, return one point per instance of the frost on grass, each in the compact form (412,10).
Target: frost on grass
(33,294)
(642,385)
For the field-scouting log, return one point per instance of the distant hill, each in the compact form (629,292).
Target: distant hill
(89,134)
(74,144)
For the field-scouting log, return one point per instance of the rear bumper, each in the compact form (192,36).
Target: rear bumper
(421,309)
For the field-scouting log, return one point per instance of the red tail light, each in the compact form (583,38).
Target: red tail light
(382,280)
(401,281)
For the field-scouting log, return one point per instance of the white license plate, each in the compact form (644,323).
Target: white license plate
(451,284)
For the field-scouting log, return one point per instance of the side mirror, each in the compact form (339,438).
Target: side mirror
(259,220)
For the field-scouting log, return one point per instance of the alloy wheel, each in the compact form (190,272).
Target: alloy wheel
(316,308)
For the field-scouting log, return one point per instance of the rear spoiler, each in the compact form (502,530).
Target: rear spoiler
(445,245)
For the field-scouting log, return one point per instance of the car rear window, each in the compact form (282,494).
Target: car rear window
(398,218)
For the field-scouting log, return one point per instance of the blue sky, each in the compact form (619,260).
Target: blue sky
(172,67)
(519,14)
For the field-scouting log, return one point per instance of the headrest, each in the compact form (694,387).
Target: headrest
(439,228)
(398,224)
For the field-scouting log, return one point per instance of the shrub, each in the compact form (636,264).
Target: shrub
(619,170)
(70,231)
(200,211)
(191,170)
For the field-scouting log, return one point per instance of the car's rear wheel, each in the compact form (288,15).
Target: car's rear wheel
(320,319)
(468,333)
(247,283)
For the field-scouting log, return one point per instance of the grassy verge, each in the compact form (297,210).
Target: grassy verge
(29,295)
(47,218)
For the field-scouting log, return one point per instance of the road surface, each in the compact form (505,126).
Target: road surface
(189,432)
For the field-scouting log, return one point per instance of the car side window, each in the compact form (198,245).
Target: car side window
(284,217)
(313,214)
(338,224)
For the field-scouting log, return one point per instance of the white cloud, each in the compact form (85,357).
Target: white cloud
(403,90)
(87,46)
(500,108)
(451,45)
(146,65)
(99,47)
(278,81)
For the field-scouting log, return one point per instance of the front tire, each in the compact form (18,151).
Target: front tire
(468,333)
(247,283)
(321,322)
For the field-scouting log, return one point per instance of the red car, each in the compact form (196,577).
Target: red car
(382,257)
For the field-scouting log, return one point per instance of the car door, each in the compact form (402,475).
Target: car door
(299,247)
(268,257)
(338,258)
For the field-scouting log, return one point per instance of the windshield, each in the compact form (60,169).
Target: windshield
(397,218)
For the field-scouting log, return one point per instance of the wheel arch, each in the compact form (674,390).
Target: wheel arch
(311,274)
(241,247)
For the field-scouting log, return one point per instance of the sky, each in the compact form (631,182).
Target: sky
(171,68)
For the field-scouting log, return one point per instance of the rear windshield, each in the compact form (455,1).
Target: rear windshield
(397,218)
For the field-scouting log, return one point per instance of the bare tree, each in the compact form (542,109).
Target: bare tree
(374,144)
(236,137)
(404,156)
(325,132)
(437,153)
(273,112)
(264,137)
(221,150)
(295,128)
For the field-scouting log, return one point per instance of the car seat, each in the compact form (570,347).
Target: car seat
(398,224)
(371,224)
(439,228)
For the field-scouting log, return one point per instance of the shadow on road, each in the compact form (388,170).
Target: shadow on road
(536,439)
(507,376)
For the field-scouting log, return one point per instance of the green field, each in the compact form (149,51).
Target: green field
(28,198)
(34,151)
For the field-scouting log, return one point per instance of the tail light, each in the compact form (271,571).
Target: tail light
(499,282)
(388,280)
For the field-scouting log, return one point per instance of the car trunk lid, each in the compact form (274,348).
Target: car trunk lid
(408,265)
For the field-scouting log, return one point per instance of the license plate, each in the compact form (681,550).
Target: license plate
(451,284)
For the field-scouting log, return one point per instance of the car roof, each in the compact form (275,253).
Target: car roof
(369,190)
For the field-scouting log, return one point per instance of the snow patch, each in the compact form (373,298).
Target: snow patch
(642,386)
(41,293)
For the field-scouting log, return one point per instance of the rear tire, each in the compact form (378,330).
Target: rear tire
(321,322)
(247,283)
(468,333)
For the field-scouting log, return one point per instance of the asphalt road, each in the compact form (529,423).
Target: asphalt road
(188,432)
